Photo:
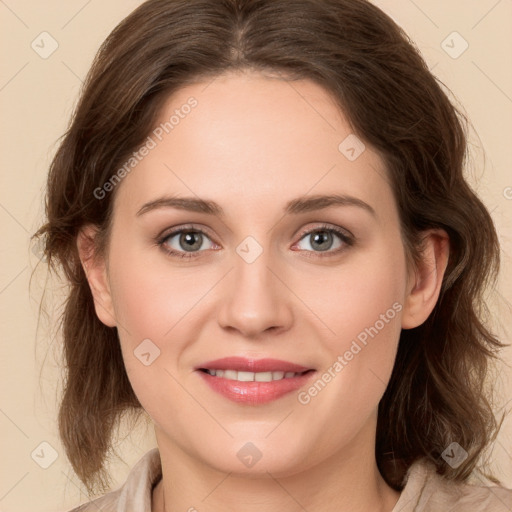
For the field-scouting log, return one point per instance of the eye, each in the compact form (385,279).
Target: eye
(189,242)
(323,239)
(184,242)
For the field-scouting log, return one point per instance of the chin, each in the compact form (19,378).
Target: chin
(255,458)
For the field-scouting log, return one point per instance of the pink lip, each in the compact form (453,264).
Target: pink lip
(254,393)
(244,364)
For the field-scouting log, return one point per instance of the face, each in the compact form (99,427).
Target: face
(271,272)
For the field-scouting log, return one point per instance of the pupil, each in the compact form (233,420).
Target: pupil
(320,237)
(188,240)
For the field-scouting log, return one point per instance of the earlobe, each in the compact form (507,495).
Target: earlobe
(95,270)
(424,287)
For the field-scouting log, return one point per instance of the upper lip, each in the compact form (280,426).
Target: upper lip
(252,365)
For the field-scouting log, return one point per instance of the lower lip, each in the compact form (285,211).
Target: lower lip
(253,392)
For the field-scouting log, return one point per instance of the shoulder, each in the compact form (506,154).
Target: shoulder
(135,493)
(427,491)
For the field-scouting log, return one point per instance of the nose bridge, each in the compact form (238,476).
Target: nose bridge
(255,299)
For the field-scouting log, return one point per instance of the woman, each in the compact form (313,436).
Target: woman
(272,250)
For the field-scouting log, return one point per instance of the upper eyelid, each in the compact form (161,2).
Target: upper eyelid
(328,227)
(174,231)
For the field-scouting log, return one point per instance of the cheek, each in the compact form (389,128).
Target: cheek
(363,305)
(360,295)
(150,305)
(150,297)
(159,310)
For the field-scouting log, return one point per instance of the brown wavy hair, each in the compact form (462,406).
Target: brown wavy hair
(378,78)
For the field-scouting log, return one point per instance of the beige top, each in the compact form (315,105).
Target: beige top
(425,491)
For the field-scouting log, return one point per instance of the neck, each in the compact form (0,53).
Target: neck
(342,483)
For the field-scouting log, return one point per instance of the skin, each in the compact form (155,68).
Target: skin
(252,144)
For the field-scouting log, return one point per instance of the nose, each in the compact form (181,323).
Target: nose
(255,299)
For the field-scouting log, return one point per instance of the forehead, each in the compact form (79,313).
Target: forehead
(247,138)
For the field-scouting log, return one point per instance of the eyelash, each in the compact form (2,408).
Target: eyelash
(347,240)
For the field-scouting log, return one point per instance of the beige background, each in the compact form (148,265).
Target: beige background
(36,99)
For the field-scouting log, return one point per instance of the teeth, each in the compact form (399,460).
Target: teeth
(243,376)
(264,376)
(253,376)
(229,374)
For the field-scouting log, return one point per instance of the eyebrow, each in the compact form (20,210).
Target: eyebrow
(296,206)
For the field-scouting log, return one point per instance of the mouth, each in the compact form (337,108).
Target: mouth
(252,381)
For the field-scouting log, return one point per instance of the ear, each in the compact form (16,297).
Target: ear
(425,281)
(95,269)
